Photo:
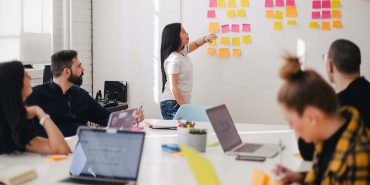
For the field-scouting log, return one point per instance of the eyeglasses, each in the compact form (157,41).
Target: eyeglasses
(325,57)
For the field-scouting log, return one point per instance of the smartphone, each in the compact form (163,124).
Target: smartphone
(250,158)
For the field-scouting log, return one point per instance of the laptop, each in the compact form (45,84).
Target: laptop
(122,120)
(106,156)
(230,140)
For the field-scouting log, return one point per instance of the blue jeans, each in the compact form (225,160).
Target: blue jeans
(169,109)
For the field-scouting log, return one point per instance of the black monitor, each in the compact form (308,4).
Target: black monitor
(116,90)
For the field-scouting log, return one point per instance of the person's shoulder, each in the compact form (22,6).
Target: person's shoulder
(173,57)
(80,90)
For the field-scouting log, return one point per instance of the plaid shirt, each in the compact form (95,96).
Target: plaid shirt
(351,161)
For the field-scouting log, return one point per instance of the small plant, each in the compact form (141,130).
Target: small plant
(198,131)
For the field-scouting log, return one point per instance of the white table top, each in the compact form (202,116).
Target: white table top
(158,167)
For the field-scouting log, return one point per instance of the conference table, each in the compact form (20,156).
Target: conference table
(162,168)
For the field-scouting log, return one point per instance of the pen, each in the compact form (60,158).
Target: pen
(281,152)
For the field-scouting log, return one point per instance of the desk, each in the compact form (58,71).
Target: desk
(161,168)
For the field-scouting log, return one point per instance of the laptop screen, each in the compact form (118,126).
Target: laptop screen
(224,127)
(107,154)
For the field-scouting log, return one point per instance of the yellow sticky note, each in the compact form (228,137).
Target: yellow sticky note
(212,43)
(291,11)
(214,27)
(260,178)
(247,39)
(221,3)
(236,41)
(325,26)
(225,40)
(270,14)
(278,25)
(231,4)
(336,14)
(335,4)
(201,167)
(244,3)
(279,15)
(240,13)
(211,51)
(292,22)
(223,53)
(314,25)
(236,52)
(337,24)
(230,13)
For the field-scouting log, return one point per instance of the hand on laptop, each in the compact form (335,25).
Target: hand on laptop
(287,176)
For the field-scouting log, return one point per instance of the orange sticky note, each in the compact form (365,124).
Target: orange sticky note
(292,22)
(236,41)
(236,52)
(325,26)
(240,13)
(278,25)
(336,14)
(224,53)
(335,4)
(314,25)
(247,39)
(221,3)
(211,51)
(55,157)
(291,11)
(244,3)
(231,4)
(279,15)
(214,27)
(337,24)
(260,178)
(230,13)
(270,14)
(225,40)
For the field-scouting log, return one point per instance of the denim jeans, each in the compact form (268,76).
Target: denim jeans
(169,109)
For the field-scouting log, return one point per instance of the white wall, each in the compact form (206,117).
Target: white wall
(125,40)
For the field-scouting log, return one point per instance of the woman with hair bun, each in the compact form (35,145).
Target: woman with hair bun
(342,142)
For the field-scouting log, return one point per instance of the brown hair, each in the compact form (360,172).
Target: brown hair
(305,88)
(346,56)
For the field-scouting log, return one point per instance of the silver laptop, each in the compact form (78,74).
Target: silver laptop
(229,138)
(106,156)
(122,120)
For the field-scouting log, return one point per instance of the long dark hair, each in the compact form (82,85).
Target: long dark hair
(171,42)
(13,115)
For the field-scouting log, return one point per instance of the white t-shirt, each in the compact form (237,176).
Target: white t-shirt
(178,64)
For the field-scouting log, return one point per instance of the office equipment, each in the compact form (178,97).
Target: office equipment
(170,148)
(122,119)
(250,158)
(229,138)
(163,124)
(14,175)
(116,90)
(192,112)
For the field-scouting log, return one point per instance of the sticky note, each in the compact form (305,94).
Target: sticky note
(292,22)
(235,28)
(212,43)
(290,2)
(213,3)
(247,39)
(336,14)
(279,15)
(211,14)
(269,3)
(214,27)
(316,15)
(55,157)
(260,178)
(225,28)
(270,14)
(326,14)
(246,27)
(240,13)
(337,24)
(335,4)
(325,26)
(231,3)
(230,13)
(326,4)
(235,41)
(291,11)
(236,52)
(280,3)
(225,40)
(278,25)
(244,3)
(316,4)
(223,53)
(202,169)
(211,51)
(314,25)
(221,3)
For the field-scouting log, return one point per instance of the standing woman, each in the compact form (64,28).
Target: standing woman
(17,132)
(176,67)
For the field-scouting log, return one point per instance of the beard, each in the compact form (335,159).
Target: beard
(75,79)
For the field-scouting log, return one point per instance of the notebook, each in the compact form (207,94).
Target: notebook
(14,175)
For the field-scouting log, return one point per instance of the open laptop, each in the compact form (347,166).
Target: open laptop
(229,138)
(122,120)
(106,156)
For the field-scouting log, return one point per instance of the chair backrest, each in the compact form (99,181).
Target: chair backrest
(192,113)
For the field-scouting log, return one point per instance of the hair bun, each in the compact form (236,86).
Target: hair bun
(291,68)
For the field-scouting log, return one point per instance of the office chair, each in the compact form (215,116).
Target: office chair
(192,113)
(48,75)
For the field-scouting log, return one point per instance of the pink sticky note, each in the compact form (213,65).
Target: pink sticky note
(211,14)
(326,14)
(225,28)
(316,15)
(235,28)
(246,28)
(290,2)
(326,4)
(280,3)
(213,3)
(316,4)
(269,3)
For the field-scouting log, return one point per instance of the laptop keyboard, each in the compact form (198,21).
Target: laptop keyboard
(92,182)
(249,148)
